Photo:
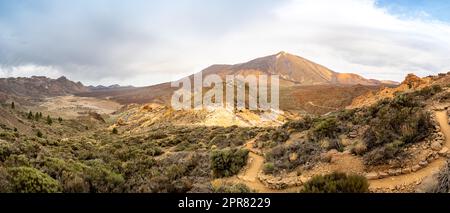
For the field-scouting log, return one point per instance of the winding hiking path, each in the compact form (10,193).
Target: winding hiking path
(324,107)
(418,176)
(249,176)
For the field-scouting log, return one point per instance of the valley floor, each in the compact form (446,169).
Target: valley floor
(70,107)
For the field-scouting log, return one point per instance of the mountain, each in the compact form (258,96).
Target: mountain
(39,86)
(304,85)
(292,69)
(111,87)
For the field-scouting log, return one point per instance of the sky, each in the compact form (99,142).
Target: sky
(144,42)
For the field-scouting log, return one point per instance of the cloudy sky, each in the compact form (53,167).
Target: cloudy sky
(143,42)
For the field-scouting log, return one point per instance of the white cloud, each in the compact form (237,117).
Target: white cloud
(162,43)
(29,70)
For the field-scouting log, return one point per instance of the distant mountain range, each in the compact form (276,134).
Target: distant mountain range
(300,81)
(39,86)
(111,87)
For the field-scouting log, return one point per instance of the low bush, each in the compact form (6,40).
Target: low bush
(232,188)
(272,137)
(299,125)
(336,183)
(289,157)
(39,134)
(382,154)
(228,161)
(443,178)
(31,180)
(325,128)
(268,168)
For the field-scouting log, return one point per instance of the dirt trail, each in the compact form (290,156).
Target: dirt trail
(445,127)
(418,176)
(256,164)
(249,176)
(324,107)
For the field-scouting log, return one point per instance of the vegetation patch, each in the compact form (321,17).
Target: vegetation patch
(336,183)
(289,157)
(228,162)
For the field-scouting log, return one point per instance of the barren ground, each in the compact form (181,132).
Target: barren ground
(73,106)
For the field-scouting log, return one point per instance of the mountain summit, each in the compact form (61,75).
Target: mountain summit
(291,68)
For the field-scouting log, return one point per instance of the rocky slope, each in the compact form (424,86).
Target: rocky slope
(38,86)
(411,83)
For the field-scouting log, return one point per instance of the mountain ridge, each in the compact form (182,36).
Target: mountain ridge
(290,68)
(40,86)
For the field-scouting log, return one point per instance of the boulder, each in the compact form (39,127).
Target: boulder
(406,170)
(303,179)
(423,164)
(372,176)
(391,172)
(353,134)
(347,152)
(443,151)
(325,157)
(329,156)
(415,168)
(383,175)
(436,146)
(438,128)
(428,185)
(293,157)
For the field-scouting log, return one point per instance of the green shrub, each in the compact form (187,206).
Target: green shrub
(102,179)
(428,92)
(325,128)
(30,115)
(5,186)
(275,135)
(157,135)
(300,125)
(336,183)
(31,180)
(6,149)
(39,134)
(232,188)
(49,120)
(268,168)
(115,131)
(396,123)
(228,162)
(306,153)
(7,136)
(382,154)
